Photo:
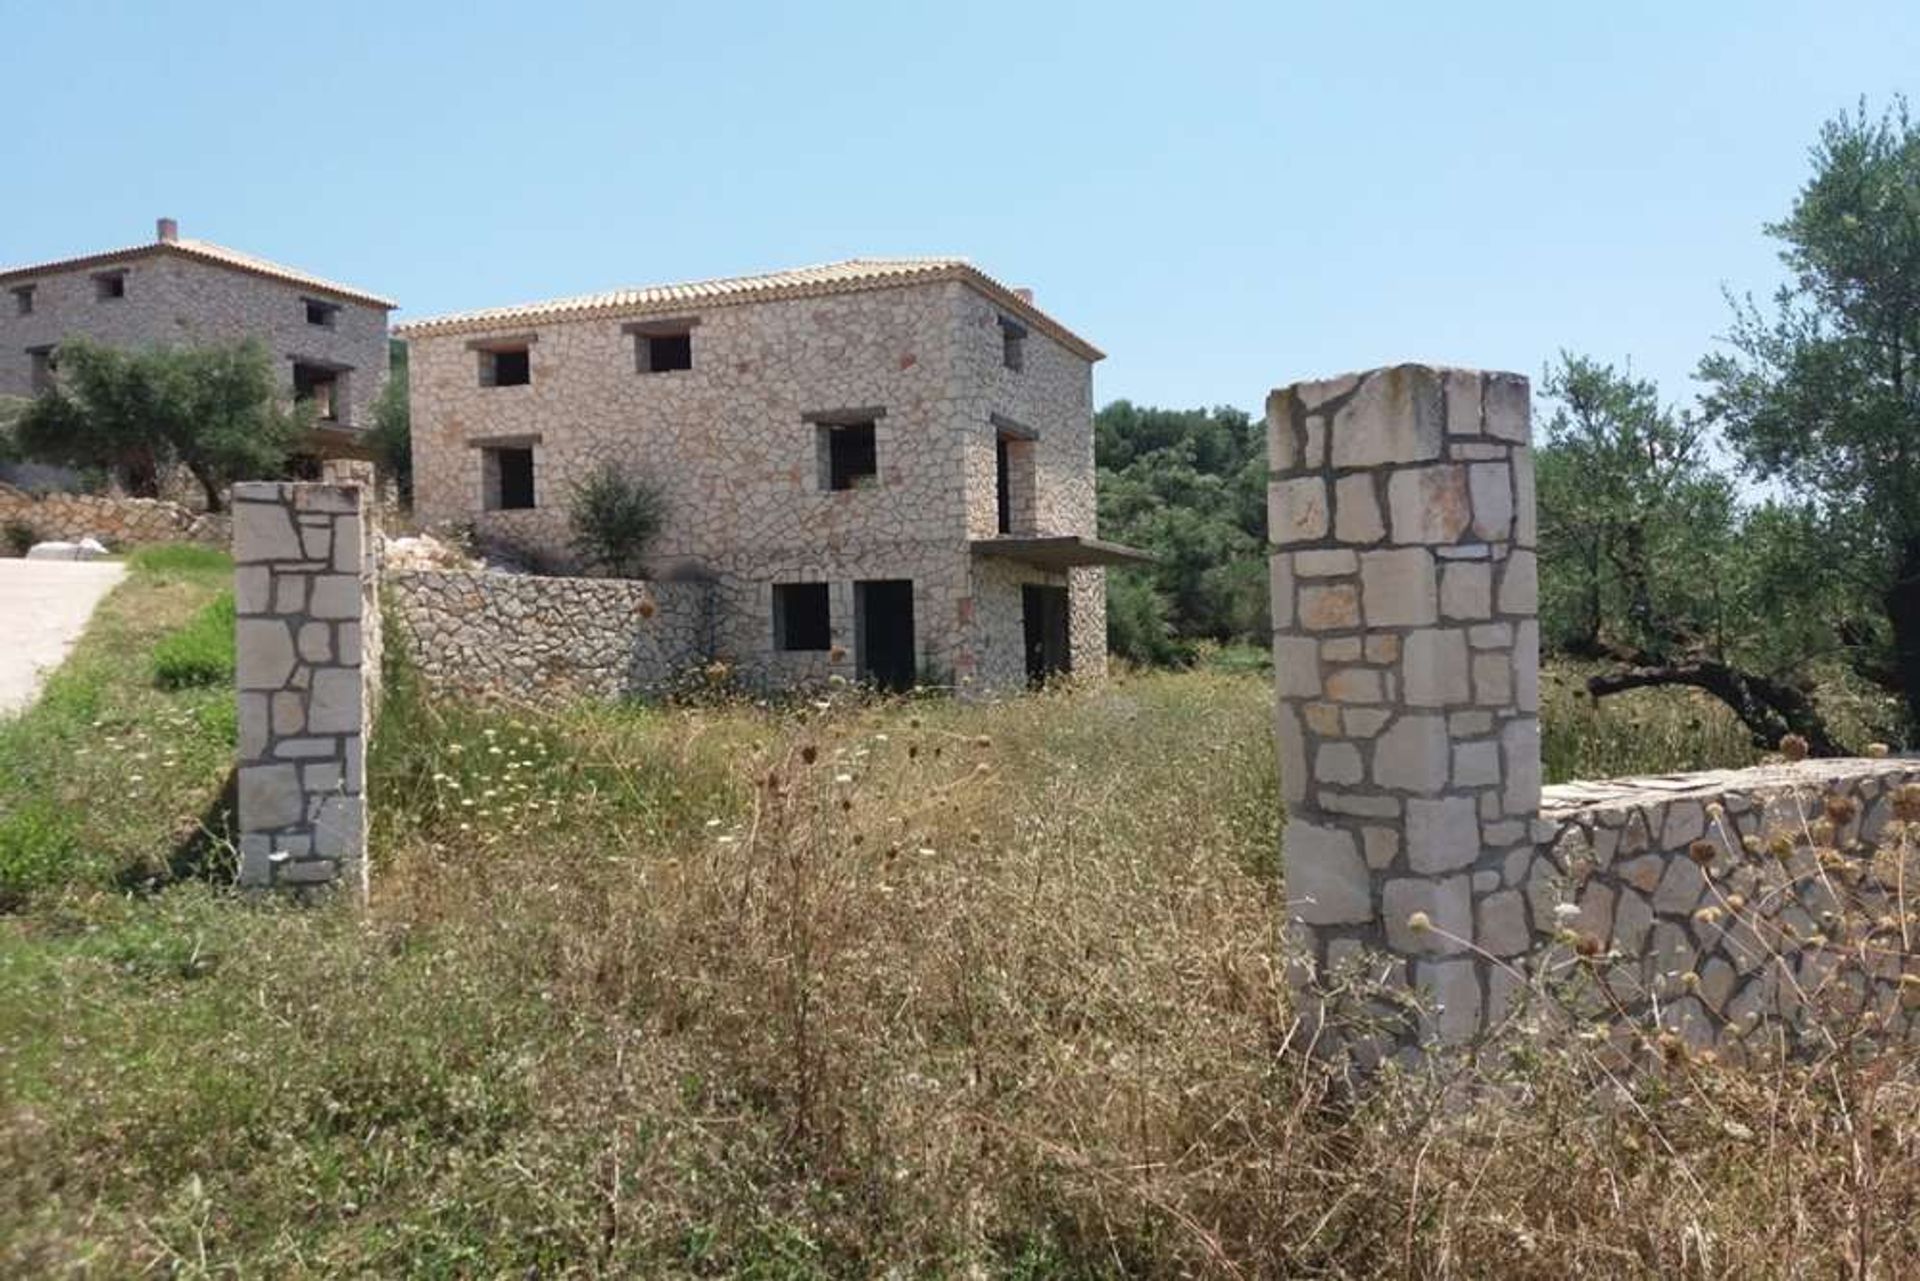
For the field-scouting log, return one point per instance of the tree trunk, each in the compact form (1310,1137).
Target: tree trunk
(1903,611)
(209,483)
(1769,709)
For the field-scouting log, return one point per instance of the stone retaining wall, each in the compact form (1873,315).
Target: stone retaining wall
(117,522)
(1725,904)
(521,637)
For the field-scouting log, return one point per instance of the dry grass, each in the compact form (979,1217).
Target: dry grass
(904,989)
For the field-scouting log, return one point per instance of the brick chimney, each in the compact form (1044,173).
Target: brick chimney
(168,230)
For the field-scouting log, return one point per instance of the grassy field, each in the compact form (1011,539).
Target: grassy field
(839,989)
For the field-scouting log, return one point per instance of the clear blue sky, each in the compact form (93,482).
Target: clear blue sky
(1225,197)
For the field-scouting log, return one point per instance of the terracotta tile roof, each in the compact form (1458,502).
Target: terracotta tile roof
(208,252)
(852,276)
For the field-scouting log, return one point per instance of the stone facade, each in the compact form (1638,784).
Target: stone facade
(1406,657)
(183,292)
(117,522)
(307,657)
(736,443)
(520,638)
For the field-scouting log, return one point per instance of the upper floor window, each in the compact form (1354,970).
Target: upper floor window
(23,300)
(323,314)
(662,346)
(1013,344)
(846,447)
(109,285)
(505,362)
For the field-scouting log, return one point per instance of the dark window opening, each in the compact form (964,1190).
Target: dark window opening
(318,386)
(664,353)
(42,366)
(509,474)
(850,456)
(1003,494)
(801,617)
(883,632)
(109,285)
(506,367)
(322,314)
(1013,344)
(23,300)
(1044,617)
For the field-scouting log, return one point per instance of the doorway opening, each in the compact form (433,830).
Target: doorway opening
(1044,614)
(883,632)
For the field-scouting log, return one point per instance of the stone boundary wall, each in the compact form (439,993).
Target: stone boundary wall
(1732,902)
(307,651)
(1419,842)
(117,522)
(525,638)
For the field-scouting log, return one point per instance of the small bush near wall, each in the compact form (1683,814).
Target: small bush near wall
(200,653)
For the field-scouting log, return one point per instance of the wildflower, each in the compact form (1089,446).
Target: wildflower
(1841,809)
(1752,844)
(1420,923)
(1735,902)
(1708,915)
(1794,747)
(1701,852)
(1566,911)
(1588,945)
(1877,750)
(1690,980)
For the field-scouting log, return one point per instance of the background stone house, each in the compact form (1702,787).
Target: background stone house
(883,466)
(329,340)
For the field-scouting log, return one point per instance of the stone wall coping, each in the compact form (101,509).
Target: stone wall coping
(1561,800)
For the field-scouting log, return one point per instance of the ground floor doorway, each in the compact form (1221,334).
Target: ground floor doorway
(883,632)
(1044,612)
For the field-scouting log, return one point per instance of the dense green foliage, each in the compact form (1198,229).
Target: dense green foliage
(1822,394)
(215,411)
(614,516)
(1190,487)
(391,436)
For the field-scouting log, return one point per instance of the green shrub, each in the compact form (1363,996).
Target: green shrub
(19,536)
(615,516)
(199,653)
(36,850)
(178,558)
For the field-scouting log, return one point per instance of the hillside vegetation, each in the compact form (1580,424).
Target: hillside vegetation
(837,989)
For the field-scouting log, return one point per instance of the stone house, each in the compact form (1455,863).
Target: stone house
(883,467)
(329,339)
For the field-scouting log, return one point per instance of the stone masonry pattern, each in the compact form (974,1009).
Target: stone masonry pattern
(733,445)
(1406,661)
(116,522)
(1730,906)
(172,299)
(307,659)
(518,638)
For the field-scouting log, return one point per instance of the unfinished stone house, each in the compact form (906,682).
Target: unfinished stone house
(330,340)
(884,467)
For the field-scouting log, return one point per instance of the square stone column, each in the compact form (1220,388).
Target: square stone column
(1406,660)
(306,659)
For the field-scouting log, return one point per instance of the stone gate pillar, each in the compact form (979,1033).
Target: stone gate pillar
(1406,659)
(307,657)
